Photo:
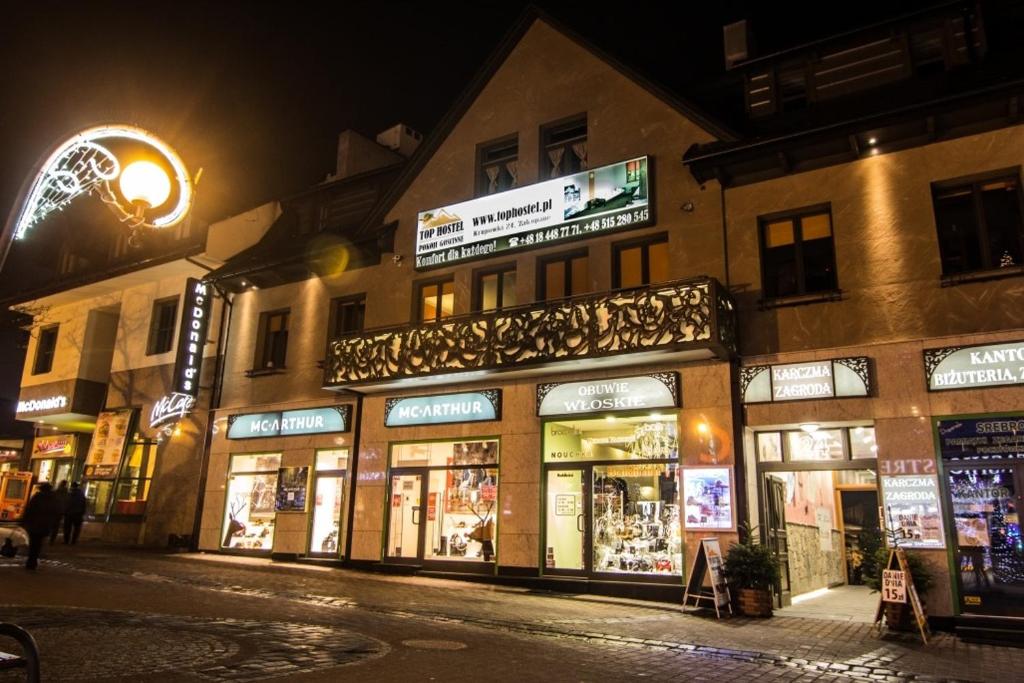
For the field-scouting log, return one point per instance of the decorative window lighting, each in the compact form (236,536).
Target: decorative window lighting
(651,441)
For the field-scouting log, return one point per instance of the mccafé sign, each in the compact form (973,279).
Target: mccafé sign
(171,408)
(195,324)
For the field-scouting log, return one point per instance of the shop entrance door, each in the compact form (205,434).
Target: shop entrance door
(989,552)
(405,518)
(566,521)
(328,505)
(777,539)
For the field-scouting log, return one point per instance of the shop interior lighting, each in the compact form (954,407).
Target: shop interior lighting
(651,441)
(872,141)
(809,427)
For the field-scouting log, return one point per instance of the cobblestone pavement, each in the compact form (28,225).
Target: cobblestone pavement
(508,633)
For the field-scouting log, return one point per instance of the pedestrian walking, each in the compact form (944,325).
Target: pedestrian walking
(74,513)
(38,519)
(60,503)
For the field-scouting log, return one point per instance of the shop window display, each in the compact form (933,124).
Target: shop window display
(458,516)
(636,519)
(249,514)
(612,496)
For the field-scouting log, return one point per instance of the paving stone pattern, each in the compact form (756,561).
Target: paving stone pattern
(616,639)
(81,644)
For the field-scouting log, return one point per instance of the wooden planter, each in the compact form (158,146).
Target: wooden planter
(754,602)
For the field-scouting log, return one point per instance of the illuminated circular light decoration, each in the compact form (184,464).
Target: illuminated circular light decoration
(144,181)
(82,164)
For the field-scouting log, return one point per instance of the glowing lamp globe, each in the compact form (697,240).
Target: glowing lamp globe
(145,182)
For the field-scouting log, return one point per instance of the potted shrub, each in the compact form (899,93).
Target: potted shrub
(752,570)
(900,616)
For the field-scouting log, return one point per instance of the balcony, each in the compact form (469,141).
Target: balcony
(683,320)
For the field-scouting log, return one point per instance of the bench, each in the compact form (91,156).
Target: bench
(29,659)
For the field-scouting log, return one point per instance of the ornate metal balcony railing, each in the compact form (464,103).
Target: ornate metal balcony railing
(674,316)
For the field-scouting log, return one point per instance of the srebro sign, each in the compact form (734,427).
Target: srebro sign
(840,377)
(600,396)
(289,422)
(598,200)
(956,367)
(476,406)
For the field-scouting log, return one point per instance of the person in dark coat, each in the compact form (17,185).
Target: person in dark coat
(38,519)
(74,513)
(61,499)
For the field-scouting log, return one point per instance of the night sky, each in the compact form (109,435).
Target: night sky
(256,93)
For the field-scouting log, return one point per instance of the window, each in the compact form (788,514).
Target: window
(797,254)
(838,443)
(249,513)
(436,300)
(272,348)
(161,326)
(979,224)
(563,275)
(495,289)
(347,314)
(498,166)
(563,148)
(45,349)
(640,262)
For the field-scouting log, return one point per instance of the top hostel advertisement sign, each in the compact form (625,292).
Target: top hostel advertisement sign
(597,200)
(195,324)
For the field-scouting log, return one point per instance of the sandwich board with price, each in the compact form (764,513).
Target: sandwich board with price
(898,587)
(708,561)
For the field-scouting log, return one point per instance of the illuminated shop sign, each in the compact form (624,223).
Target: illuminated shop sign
(912,510)
(171,408)
(195,323)
(982,438)
(475,406)
(580,205)
(57,446)
(41,404)
(659,390)
(290,422)
(957,367)
(836,378)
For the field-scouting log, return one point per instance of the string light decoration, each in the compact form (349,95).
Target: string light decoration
(82,165)
(652,441)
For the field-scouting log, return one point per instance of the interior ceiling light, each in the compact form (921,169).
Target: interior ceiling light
(809,427)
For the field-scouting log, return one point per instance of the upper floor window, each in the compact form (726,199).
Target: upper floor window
(498,167)
(161,326)
(45,350)
(495,288)
(798,254)
(347,314)
(563,148)
(640,262)
(563,275)
(272,345)
(435,300)
(979,223)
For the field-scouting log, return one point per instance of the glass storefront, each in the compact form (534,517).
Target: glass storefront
(990,549)
(249,510)
(327,518)
(443,501)
(612,497)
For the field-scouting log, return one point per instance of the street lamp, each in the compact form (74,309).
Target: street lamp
(146,186)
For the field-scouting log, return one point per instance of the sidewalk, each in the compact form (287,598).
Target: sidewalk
(834,646)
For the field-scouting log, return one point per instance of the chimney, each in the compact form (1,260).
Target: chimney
(358,154)
(736,37)
(400,138)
